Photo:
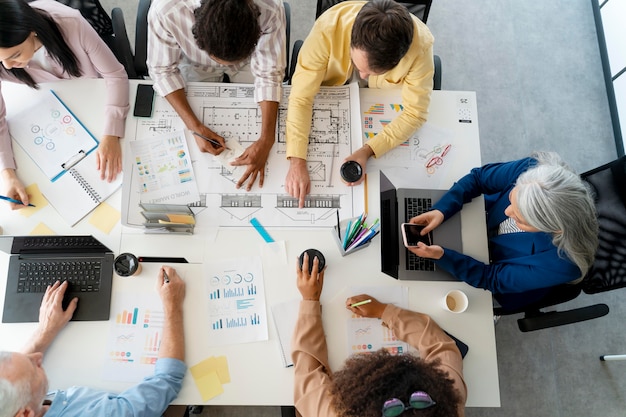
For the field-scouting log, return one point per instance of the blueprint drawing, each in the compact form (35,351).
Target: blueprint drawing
(230,111)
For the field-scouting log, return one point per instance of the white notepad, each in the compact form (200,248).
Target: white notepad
(80,190)
(52,135)
(285,318)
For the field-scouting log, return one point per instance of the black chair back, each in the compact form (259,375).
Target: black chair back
(419,8)
(609,185)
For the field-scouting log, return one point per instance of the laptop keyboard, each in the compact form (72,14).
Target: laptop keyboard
(60,242)
(414,207)
(83,275)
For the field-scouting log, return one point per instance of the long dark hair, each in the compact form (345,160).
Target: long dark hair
(17,21)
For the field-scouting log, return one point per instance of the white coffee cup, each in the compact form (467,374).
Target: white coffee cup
(455,301)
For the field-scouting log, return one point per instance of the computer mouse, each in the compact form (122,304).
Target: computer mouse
(312,254)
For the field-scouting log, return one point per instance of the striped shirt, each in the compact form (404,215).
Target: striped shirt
(508,226)
(174,57)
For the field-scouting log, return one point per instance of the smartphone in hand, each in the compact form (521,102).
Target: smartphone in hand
(411,234)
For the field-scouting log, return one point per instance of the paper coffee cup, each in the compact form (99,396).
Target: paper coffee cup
(455,301)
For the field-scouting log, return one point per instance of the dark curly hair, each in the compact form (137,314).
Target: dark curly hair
(227,29)
(367,380)
(384,30)
(17,21)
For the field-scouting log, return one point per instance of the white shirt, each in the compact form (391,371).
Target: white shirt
(174,57)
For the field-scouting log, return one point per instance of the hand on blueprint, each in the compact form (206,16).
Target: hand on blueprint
(298,183)
(372,308)
(255,157)
(310,284)
(13,188)
(206,138)
(430,220)
(361,156)
(109,157)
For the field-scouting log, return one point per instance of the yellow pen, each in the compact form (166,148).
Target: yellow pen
(360,303)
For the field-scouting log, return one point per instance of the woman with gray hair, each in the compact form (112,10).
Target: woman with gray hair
(541,224)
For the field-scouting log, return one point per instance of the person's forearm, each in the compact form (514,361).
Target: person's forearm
(39,341)
(173,342)
(178,100)
(269,116)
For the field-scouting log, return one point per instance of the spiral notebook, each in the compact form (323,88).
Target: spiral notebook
(80,190)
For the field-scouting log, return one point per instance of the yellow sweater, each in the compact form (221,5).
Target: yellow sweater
(325,60)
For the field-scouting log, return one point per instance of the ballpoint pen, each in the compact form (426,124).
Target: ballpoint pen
(166,279)
(12,200)
(213,141)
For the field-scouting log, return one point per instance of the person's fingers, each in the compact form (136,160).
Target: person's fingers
(252,180)
(71,307)
(261,177)
(243,178)
(301,196)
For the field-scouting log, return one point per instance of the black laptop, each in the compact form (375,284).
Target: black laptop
(38,261)
(399,205)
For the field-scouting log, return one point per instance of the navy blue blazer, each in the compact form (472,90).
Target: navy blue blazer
(521,265)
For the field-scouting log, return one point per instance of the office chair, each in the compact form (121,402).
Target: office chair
(135,63)
(609,268)
(107,27)
(420,8)
(93,12)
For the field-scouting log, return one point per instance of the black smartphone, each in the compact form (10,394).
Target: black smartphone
(411,234)
(143,101)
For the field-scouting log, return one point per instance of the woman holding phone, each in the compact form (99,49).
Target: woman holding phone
(541,222)
(45,41)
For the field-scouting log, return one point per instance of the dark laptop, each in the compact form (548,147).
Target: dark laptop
(399,205)
(38,261)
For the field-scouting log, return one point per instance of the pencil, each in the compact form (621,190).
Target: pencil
(360,303)
(213,141)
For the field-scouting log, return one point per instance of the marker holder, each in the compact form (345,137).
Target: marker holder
(344,224)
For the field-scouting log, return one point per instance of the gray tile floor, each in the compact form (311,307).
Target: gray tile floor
(536,69)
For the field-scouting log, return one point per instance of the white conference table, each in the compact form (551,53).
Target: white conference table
(257,374)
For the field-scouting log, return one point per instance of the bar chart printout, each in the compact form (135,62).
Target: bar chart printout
(236,301)
(134,338)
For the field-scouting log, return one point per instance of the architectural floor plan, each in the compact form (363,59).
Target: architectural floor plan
(230,111)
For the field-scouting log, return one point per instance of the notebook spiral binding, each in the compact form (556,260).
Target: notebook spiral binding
(86,186)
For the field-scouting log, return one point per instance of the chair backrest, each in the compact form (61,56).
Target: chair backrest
(609,269)
(419,8)
(93,12)
(141,38)
(121,44)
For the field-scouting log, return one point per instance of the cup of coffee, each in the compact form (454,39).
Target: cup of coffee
(126,265)
(351,171)
(455,301)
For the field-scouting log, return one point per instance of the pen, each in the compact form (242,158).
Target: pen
(213,141)
(12,200)
(162,259)
(360,303)
(166,279)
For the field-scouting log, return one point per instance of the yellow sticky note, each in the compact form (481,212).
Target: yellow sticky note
(36,198)
(222,369)
(105,217)
(203,368)
(42,229)
(209,386)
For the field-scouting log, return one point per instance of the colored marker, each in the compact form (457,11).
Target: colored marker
(360,303)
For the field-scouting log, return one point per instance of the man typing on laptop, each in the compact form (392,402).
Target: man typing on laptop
(23,382)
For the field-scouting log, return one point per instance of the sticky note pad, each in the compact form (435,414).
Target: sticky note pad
(222,369)
(209,386)
(105,217)
(35,198)
(42,229)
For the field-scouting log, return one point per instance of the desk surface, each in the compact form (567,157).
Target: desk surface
(77,357)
